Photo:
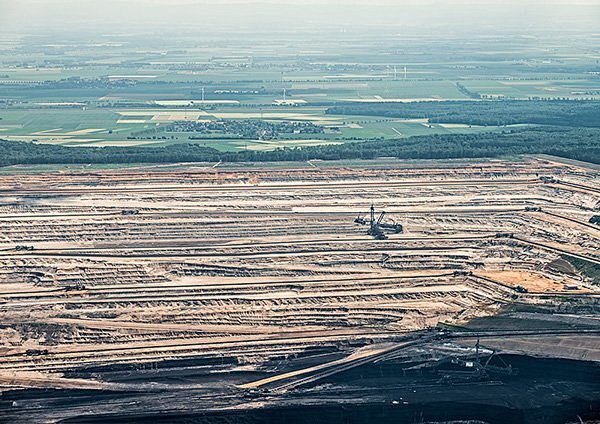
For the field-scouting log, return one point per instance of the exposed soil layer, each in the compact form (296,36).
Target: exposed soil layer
(223,281)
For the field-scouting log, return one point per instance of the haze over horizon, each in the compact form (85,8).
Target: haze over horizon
(529,16)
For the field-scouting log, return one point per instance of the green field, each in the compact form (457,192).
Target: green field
(78,92)
(92,126)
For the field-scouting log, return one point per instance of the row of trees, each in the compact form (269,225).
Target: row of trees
(571,113)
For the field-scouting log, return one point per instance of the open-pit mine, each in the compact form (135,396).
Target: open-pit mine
(270,293)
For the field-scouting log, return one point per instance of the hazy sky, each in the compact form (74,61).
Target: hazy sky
(120,15)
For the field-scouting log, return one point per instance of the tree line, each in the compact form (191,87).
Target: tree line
(570,113)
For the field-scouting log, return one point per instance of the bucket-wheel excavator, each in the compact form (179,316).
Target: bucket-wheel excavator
(378,228)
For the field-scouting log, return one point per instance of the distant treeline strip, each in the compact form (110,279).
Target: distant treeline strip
(569,113)
(580,144)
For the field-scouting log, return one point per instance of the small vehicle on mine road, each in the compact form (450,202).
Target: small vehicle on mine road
(21,248)
(36,352)
(255,393)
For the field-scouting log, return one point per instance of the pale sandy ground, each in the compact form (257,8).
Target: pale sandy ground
(253,262)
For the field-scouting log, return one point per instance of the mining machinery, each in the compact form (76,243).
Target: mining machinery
(475,370)
(377,227)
